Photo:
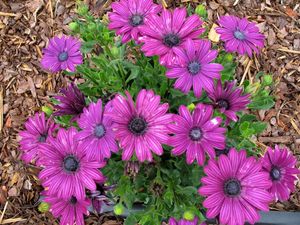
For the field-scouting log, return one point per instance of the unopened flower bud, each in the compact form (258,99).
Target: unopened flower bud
(119,209)
(43,207)
(188,215)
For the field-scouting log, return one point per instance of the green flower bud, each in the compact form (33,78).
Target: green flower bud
(191,107)
(43,207)
(119,209)
(267,80)
(115,51)
(201,11)
(264,93)
(92,27)
(228,57)
(73,26)
(47,110)
(188,215)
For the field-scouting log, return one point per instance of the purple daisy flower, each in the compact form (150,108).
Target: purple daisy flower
(70,210)
(72,102)
(62,53)
(129,15)
(197,133)
(141,127)
(240,35)
(229,99)
(195,68)
(67,170)
(163,34)
(97,134)
(236,188)
(38,130)
(280,164)
(172,221)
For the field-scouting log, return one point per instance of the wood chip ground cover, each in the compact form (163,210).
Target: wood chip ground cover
(25,28)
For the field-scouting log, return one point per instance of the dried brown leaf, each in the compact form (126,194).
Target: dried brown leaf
(271,37)
(8,122)
(213,35)
(15,179)
(290,12)
(3,195)
(13,192)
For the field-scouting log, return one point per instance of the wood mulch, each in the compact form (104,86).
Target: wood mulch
(25,28)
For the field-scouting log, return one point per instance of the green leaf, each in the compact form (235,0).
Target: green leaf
(229,65)
(146,219)
(130,220)
(259,127)
(246,129)
(168,197)
(125,190)
(134,71)
(129,198)
(247,117)
(262,103)
(246,144)
(190,190)
(87,46)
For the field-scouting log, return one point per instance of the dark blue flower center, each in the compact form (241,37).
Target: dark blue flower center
(138,126)
(222,103)
(194,68)
(63,56)
(42,138)
(224,151)
(136,20)
(239,35)
(70,163)
(73,200)
(275,173)
(171,40)
(99,131)
(195,134)
(232,188)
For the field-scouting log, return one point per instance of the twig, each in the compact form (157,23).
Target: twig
(236,2)
(50,8)
(263,146)
(14,220)
(295,125)
(7,14)
(2,215)
(279,139)
(245,73)
(288,50)
(164,3)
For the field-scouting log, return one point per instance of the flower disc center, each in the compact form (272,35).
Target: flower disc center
(63,56)
(70,163)
(275,173)
(232,187)
(42,138)
(239,35)
(222,103)
(99,131)
(194,68)
(195,134)
(136,20)
(171,40)
(73,200)
(138,126)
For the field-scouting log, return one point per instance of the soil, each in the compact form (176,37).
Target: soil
(25,29)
